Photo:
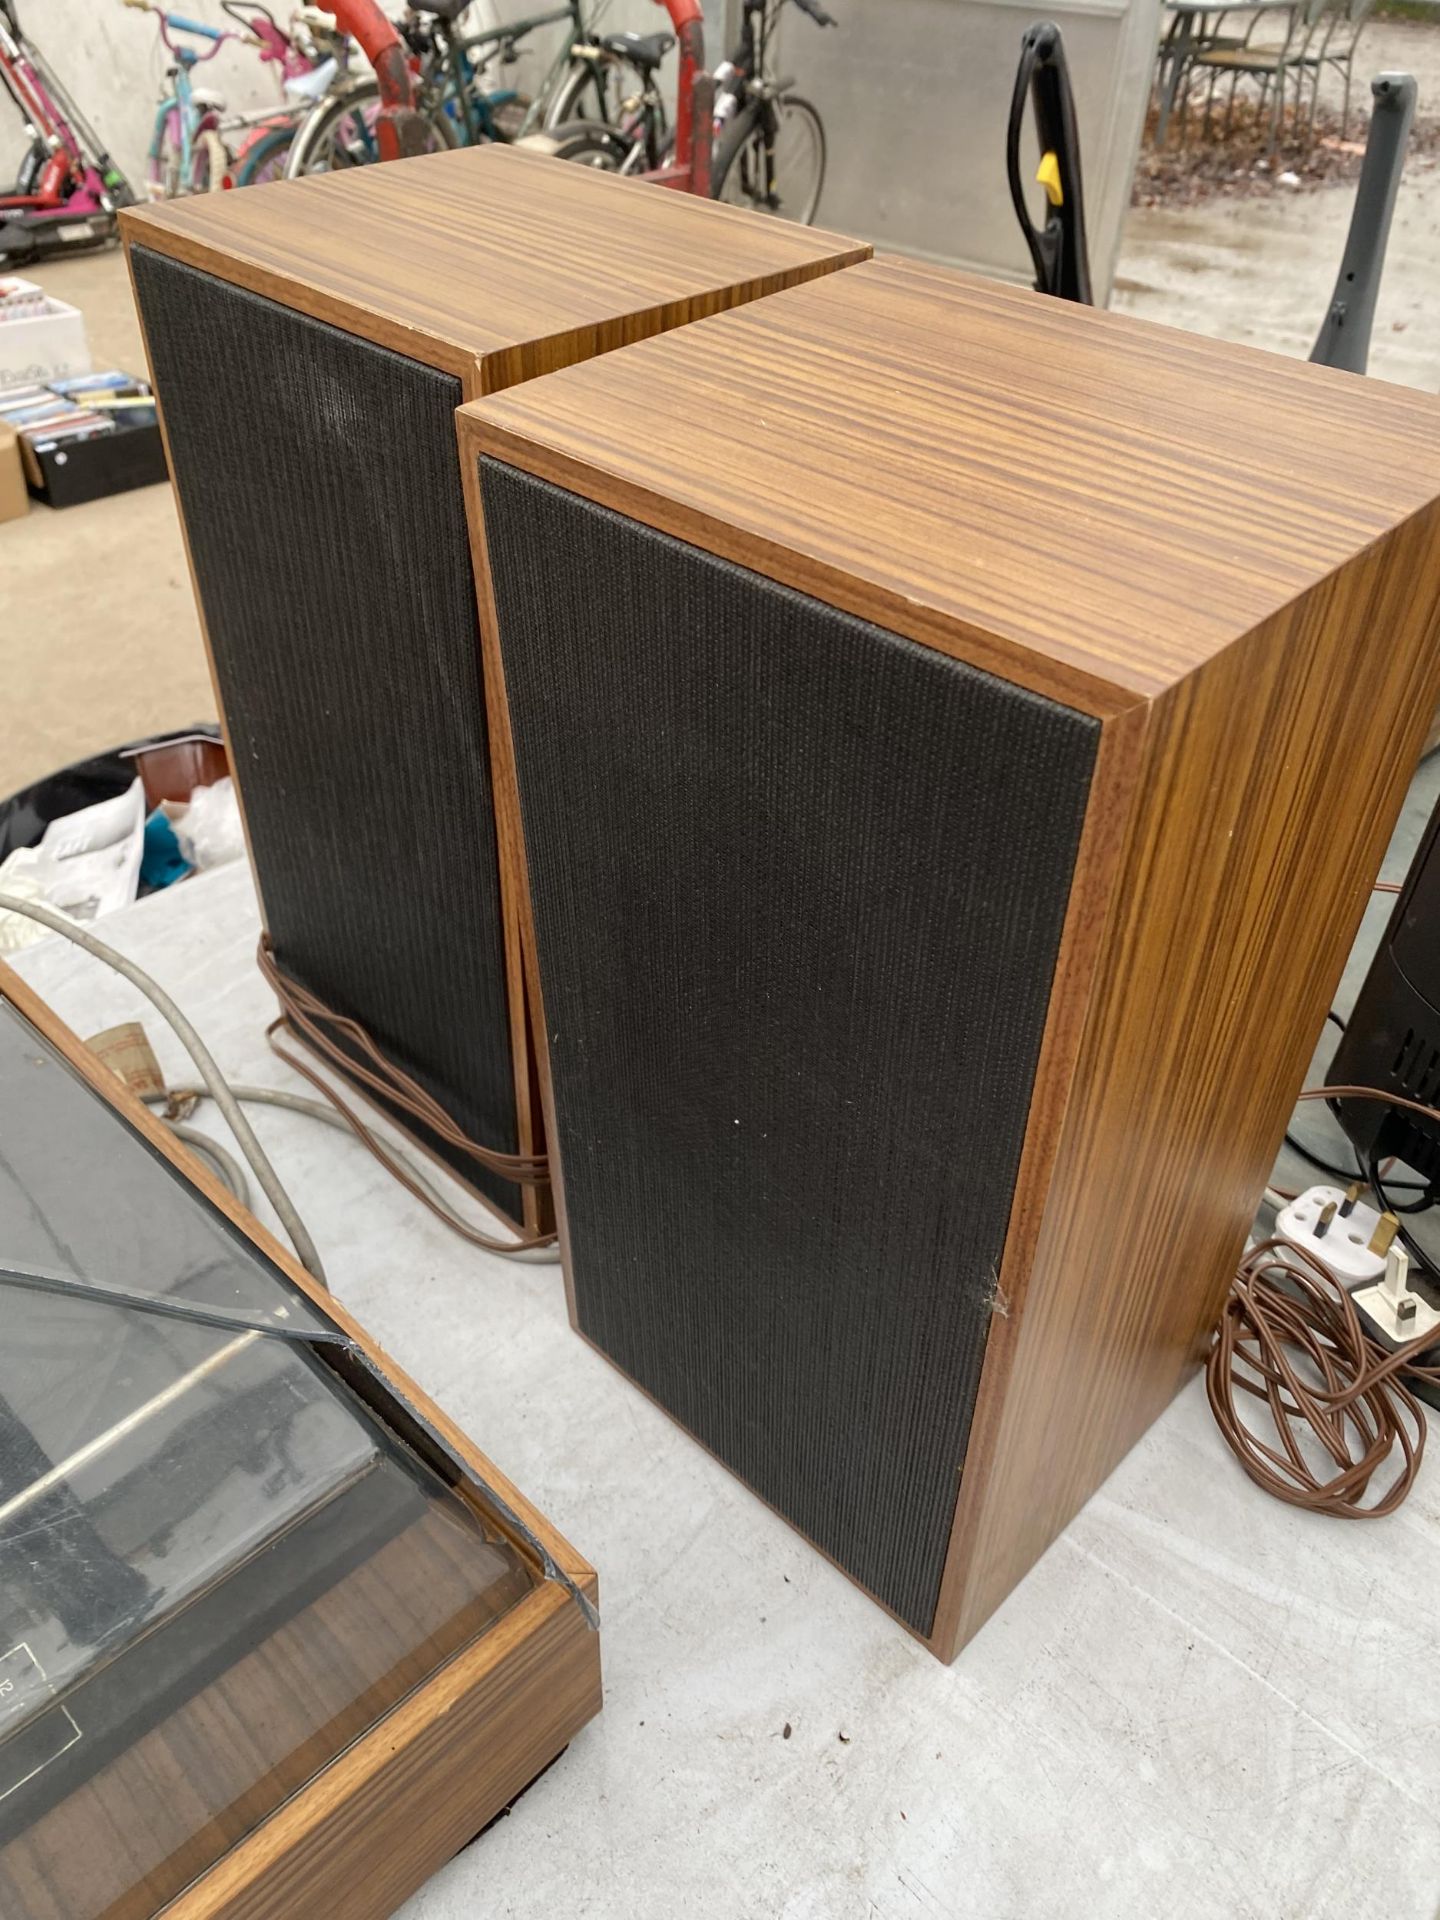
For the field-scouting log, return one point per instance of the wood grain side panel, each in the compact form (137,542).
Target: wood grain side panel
(514,871)
(28,1002)
(532,358)
(1112,797)
(536,1134)
(454,257)
(1269,784)
(371,1828)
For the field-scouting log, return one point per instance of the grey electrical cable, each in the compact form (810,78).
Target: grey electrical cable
(205,1065)
(224,1166)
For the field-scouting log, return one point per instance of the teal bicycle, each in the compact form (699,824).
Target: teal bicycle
(187,154)
(457,100)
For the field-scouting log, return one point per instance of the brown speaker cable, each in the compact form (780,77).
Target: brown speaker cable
(302,1014)
(1290,1336)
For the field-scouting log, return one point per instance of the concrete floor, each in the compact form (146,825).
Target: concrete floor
(1200,1703)
(99,642)
(1262,270)
(98,635)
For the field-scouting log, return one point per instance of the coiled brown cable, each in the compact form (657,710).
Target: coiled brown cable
(1290,1336)
(303,1014)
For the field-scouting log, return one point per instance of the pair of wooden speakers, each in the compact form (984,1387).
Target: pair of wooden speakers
(934,747)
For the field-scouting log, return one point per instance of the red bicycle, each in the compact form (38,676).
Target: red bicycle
(68,189)
(641,141)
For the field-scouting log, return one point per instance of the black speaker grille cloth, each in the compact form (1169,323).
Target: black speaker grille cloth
(326,523)
(798,887)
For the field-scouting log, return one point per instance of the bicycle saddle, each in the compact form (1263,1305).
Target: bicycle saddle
(448,10)
(644,51)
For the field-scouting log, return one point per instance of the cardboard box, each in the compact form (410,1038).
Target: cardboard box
(45,346)
(14,494)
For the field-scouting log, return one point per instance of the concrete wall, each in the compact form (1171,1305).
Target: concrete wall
(915,95)
(111,60)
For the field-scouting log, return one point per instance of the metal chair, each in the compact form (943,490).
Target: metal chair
(1273,65)
(1192,30)
(1338,50)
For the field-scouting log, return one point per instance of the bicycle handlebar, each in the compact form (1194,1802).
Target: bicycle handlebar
(243,11)
(816,12)
(177,23)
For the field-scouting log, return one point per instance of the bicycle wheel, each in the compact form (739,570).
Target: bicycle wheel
(265,158)
(340,132)
(588,144)
(741,176)
(167,181)
(580,96)
(27,174)
(209,163)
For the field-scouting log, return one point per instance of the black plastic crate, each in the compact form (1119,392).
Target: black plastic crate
(73,471)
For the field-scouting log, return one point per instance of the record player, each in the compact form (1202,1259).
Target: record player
(274,1638)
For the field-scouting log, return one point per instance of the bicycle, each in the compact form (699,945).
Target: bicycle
(568,78)
(456,106)
(311,57)
(769,142)
(641,142)
(68,189)
(186,154)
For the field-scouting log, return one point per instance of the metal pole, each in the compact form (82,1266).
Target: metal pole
(1344,339)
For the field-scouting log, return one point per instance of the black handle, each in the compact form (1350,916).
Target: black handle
(1058,249)
(816,12)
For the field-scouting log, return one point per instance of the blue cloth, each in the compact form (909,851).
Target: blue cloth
(161,863)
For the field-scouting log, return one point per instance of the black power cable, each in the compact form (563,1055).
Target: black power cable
(1348,1174)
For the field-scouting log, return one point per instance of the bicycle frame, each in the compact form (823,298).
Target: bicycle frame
(464,61)
(399,128)
(71,180)
(177,113)
(750,89)
(689,170)
(295,62)
(580,30)
(752,49)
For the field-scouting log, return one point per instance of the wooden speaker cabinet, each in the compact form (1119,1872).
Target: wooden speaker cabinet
(309,346)
(275,1639)
(944,822)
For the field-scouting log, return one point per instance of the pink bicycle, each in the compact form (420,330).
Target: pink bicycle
(68,188)
(309,57)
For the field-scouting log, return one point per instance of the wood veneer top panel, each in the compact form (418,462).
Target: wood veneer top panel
(482,251)
(1093,499)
